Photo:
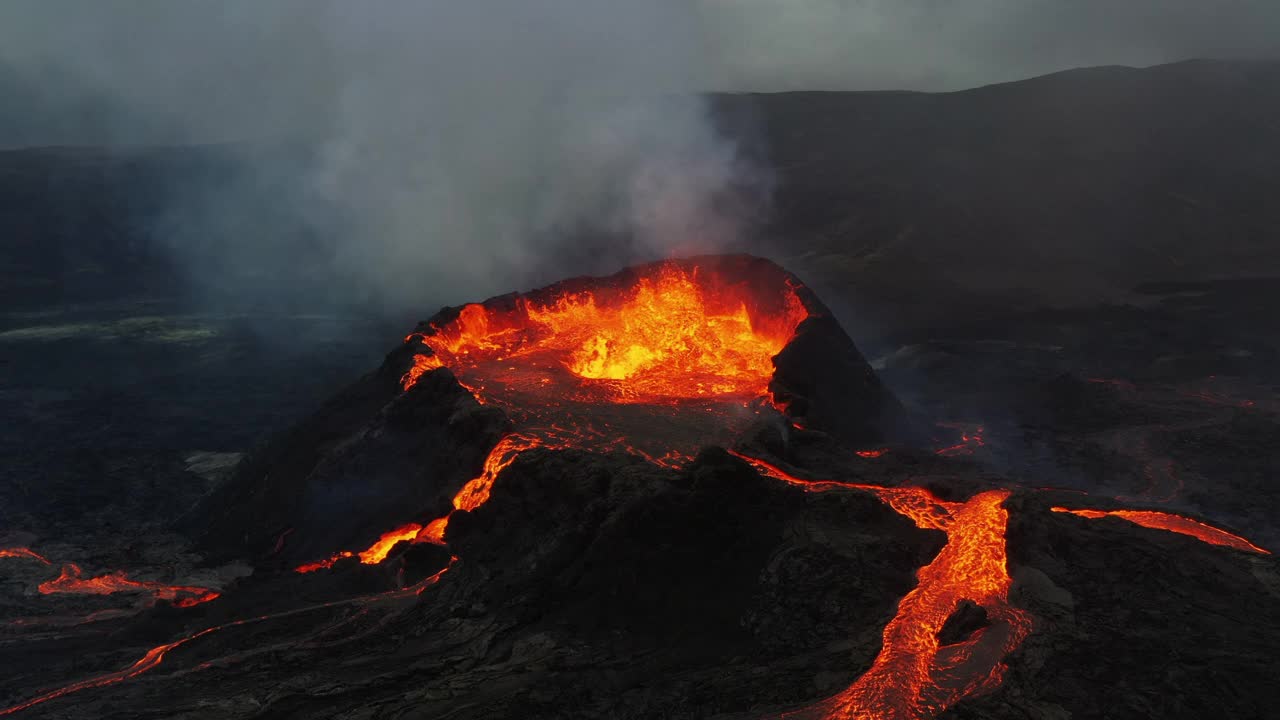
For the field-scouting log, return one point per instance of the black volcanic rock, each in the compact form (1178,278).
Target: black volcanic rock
(968,618)
(371,459)
(825,382)
(1135,623)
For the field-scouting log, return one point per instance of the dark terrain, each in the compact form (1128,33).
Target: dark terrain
(1085,266)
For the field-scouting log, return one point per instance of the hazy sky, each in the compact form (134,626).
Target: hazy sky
(951,44)
(215,66)
(463,142)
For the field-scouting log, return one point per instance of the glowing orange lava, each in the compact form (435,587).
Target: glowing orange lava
(21,552)
(971,438)
(915,676)
(72,581)
(878,452)
(676,333)
(1172,523)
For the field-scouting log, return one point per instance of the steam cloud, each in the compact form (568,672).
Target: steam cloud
(448,149)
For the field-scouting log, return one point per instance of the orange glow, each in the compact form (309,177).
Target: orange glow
(434,531)
(151,659)
(878,452)
(377,552)
(1172,523)
(675,334)
(324,564)
(915,676)
(971,438)
(71,581)
(21,552)
(476,492)
(421,364)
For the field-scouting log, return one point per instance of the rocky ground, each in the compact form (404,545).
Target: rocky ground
(601,586)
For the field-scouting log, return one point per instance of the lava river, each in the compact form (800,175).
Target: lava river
(915,675)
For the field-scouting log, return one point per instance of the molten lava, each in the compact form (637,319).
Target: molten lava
(72,581)
(21,552)
(676,333)
(971,438)
(915,676)
(1172,523)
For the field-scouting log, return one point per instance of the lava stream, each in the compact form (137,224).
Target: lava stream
(72,581)
(915,676)
(1172,523)
(971,438)
(21,552)
(156,655)
(472,495)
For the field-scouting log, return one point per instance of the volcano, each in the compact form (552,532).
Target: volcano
(657,361)
(679,491)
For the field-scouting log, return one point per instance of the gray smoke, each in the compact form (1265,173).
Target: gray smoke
(447,149)
(416,152)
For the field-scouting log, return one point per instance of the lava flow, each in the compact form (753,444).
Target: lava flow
(156,655)
(1172,523)
(971,438)
(71,581)
(21,552)
(915,676)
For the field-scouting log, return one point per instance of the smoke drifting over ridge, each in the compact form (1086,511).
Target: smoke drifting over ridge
(411,153)
(432,152)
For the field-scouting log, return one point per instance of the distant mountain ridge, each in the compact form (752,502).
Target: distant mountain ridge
(1067,186)
(1081,180)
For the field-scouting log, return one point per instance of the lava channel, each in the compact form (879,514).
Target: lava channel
(156,655)
(915,676)
(1172,523)
(72,581)
(21,552)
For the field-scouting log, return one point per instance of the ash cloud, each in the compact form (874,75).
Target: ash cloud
(410,152)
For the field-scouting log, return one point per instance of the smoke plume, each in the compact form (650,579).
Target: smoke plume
(403,152)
